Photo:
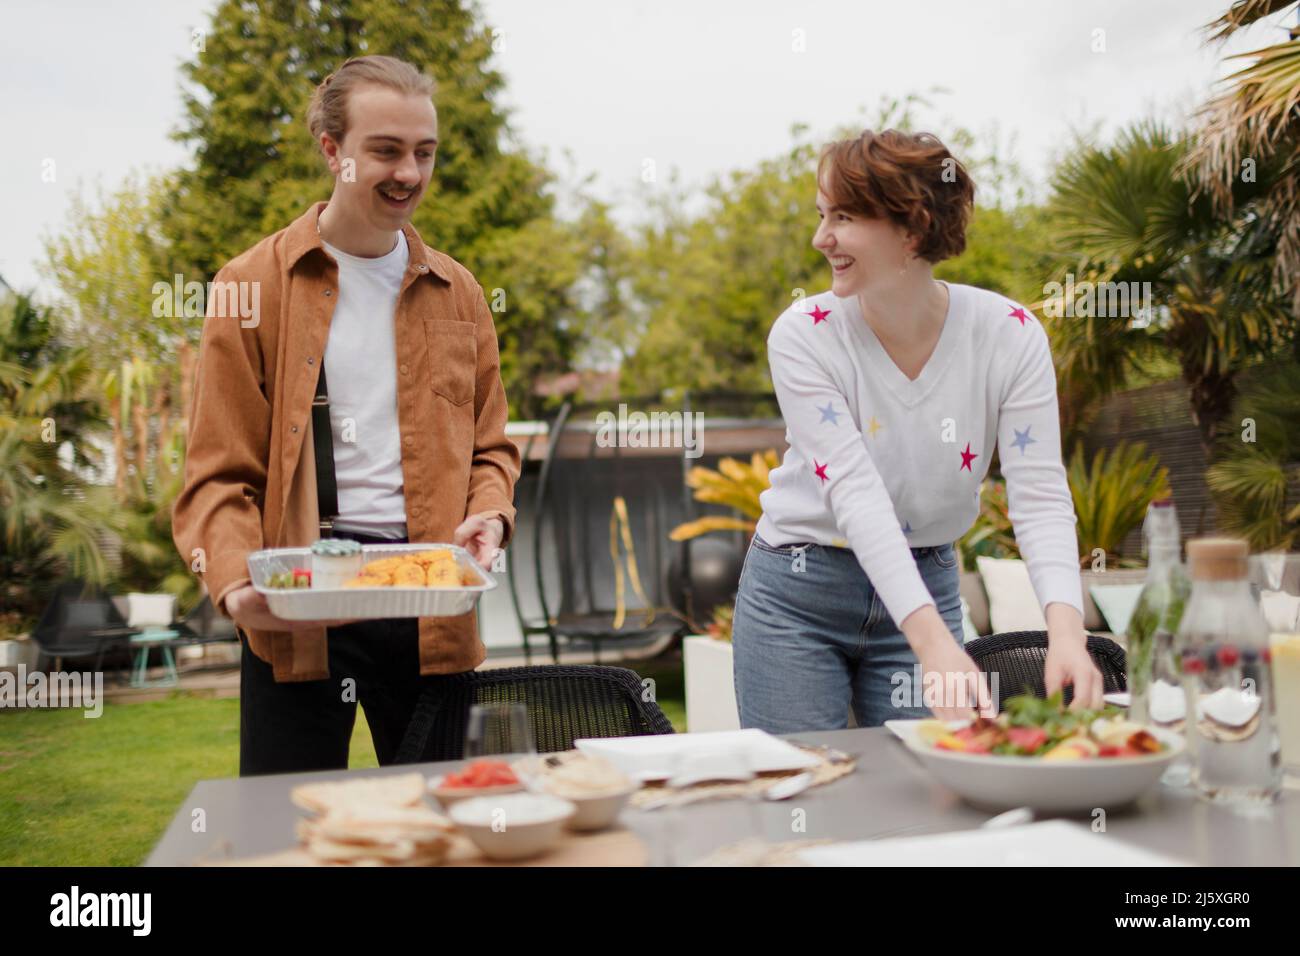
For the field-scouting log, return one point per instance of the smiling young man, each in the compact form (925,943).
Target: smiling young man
(417,415)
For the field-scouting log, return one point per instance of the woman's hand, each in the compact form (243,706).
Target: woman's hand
(959,685)
(481,536)
(952,686)
(1068,660)
(248,607)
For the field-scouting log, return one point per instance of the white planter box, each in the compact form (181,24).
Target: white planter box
(710,686)
(13,653)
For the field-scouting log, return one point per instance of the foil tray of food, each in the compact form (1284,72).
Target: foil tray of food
(337,579)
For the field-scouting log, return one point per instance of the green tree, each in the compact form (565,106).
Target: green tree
(1256,477)
(1125,213)
(489,205)
(53,522)
(1251,131)
(107,264)
(710,273)
(707,287)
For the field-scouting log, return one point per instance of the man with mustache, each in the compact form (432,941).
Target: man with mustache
(398,339)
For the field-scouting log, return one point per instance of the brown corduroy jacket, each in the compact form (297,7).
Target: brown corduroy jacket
(250,471)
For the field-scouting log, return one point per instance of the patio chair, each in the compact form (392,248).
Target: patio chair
(203,625)
(565,703)
(527,626)
(592,501)
(79,623)
(1019,658)
(161,630)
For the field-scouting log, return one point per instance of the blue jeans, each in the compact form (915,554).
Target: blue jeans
(810,639)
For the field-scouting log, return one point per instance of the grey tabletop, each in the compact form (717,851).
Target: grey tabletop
(887,794)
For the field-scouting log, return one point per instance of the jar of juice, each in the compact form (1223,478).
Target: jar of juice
(1285,651)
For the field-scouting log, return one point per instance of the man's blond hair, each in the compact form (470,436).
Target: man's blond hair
(328,112)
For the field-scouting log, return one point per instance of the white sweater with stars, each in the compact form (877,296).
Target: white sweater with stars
(881,463)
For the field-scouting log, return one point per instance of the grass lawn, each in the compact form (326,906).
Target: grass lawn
(101,792)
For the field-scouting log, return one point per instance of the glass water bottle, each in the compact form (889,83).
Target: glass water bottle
(1154,678)
(1231,716)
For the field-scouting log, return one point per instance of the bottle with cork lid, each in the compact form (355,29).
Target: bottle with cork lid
(1219,559)
(1231,727)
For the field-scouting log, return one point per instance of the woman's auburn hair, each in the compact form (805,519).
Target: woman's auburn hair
(328,110)
(909,178)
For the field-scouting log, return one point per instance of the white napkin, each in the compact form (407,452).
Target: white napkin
(1049,843)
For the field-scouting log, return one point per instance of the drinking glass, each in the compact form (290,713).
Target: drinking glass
(497,730)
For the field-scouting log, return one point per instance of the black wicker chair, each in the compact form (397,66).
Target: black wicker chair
(1018,658)
(79,623)
(565,703)
(202,624)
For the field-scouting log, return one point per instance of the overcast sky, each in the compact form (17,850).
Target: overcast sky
(700,86)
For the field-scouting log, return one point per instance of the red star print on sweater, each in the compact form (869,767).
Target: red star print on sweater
(836,384)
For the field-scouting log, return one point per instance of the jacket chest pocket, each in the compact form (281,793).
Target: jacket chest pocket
(453,358)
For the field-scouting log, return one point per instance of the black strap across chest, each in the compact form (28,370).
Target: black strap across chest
(327,489)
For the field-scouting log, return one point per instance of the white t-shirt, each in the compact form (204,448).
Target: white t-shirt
(361,374)
(881,464)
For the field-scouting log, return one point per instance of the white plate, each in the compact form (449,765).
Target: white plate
(1049,843)
(994,782)
(659,756)
(905,730)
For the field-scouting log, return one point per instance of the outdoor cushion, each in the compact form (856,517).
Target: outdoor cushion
(1013,605)
(150,610)
(974,598)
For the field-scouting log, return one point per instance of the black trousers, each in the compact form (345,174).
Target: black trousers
(307,725)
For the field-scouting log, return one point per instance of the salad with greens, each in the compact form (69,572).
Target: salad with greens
(1031,726)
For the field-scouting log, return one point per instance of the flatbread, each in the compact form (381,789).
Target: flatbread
(401,790)
(372,821)
(405,823)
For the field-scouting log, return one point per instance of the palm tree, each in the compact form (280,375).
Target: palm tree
(52,520)
(1256,479)
(126,387)
(1126,214)
(149,559)
(1252,130)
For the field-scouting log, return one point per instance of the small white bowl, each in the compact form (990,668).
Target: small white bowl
(487,822)
(601,810)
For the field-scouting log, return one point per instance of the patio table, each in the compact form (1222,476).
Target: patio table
(888,794)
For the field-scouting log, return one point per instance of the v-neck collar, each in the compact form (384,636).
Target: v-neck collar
(907,390)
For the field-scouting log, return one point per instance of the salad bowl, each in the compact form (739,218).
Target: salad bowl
(1039,755)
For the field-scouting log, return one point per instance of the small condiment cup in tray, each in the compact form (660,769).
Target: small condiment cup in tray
(370,602)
